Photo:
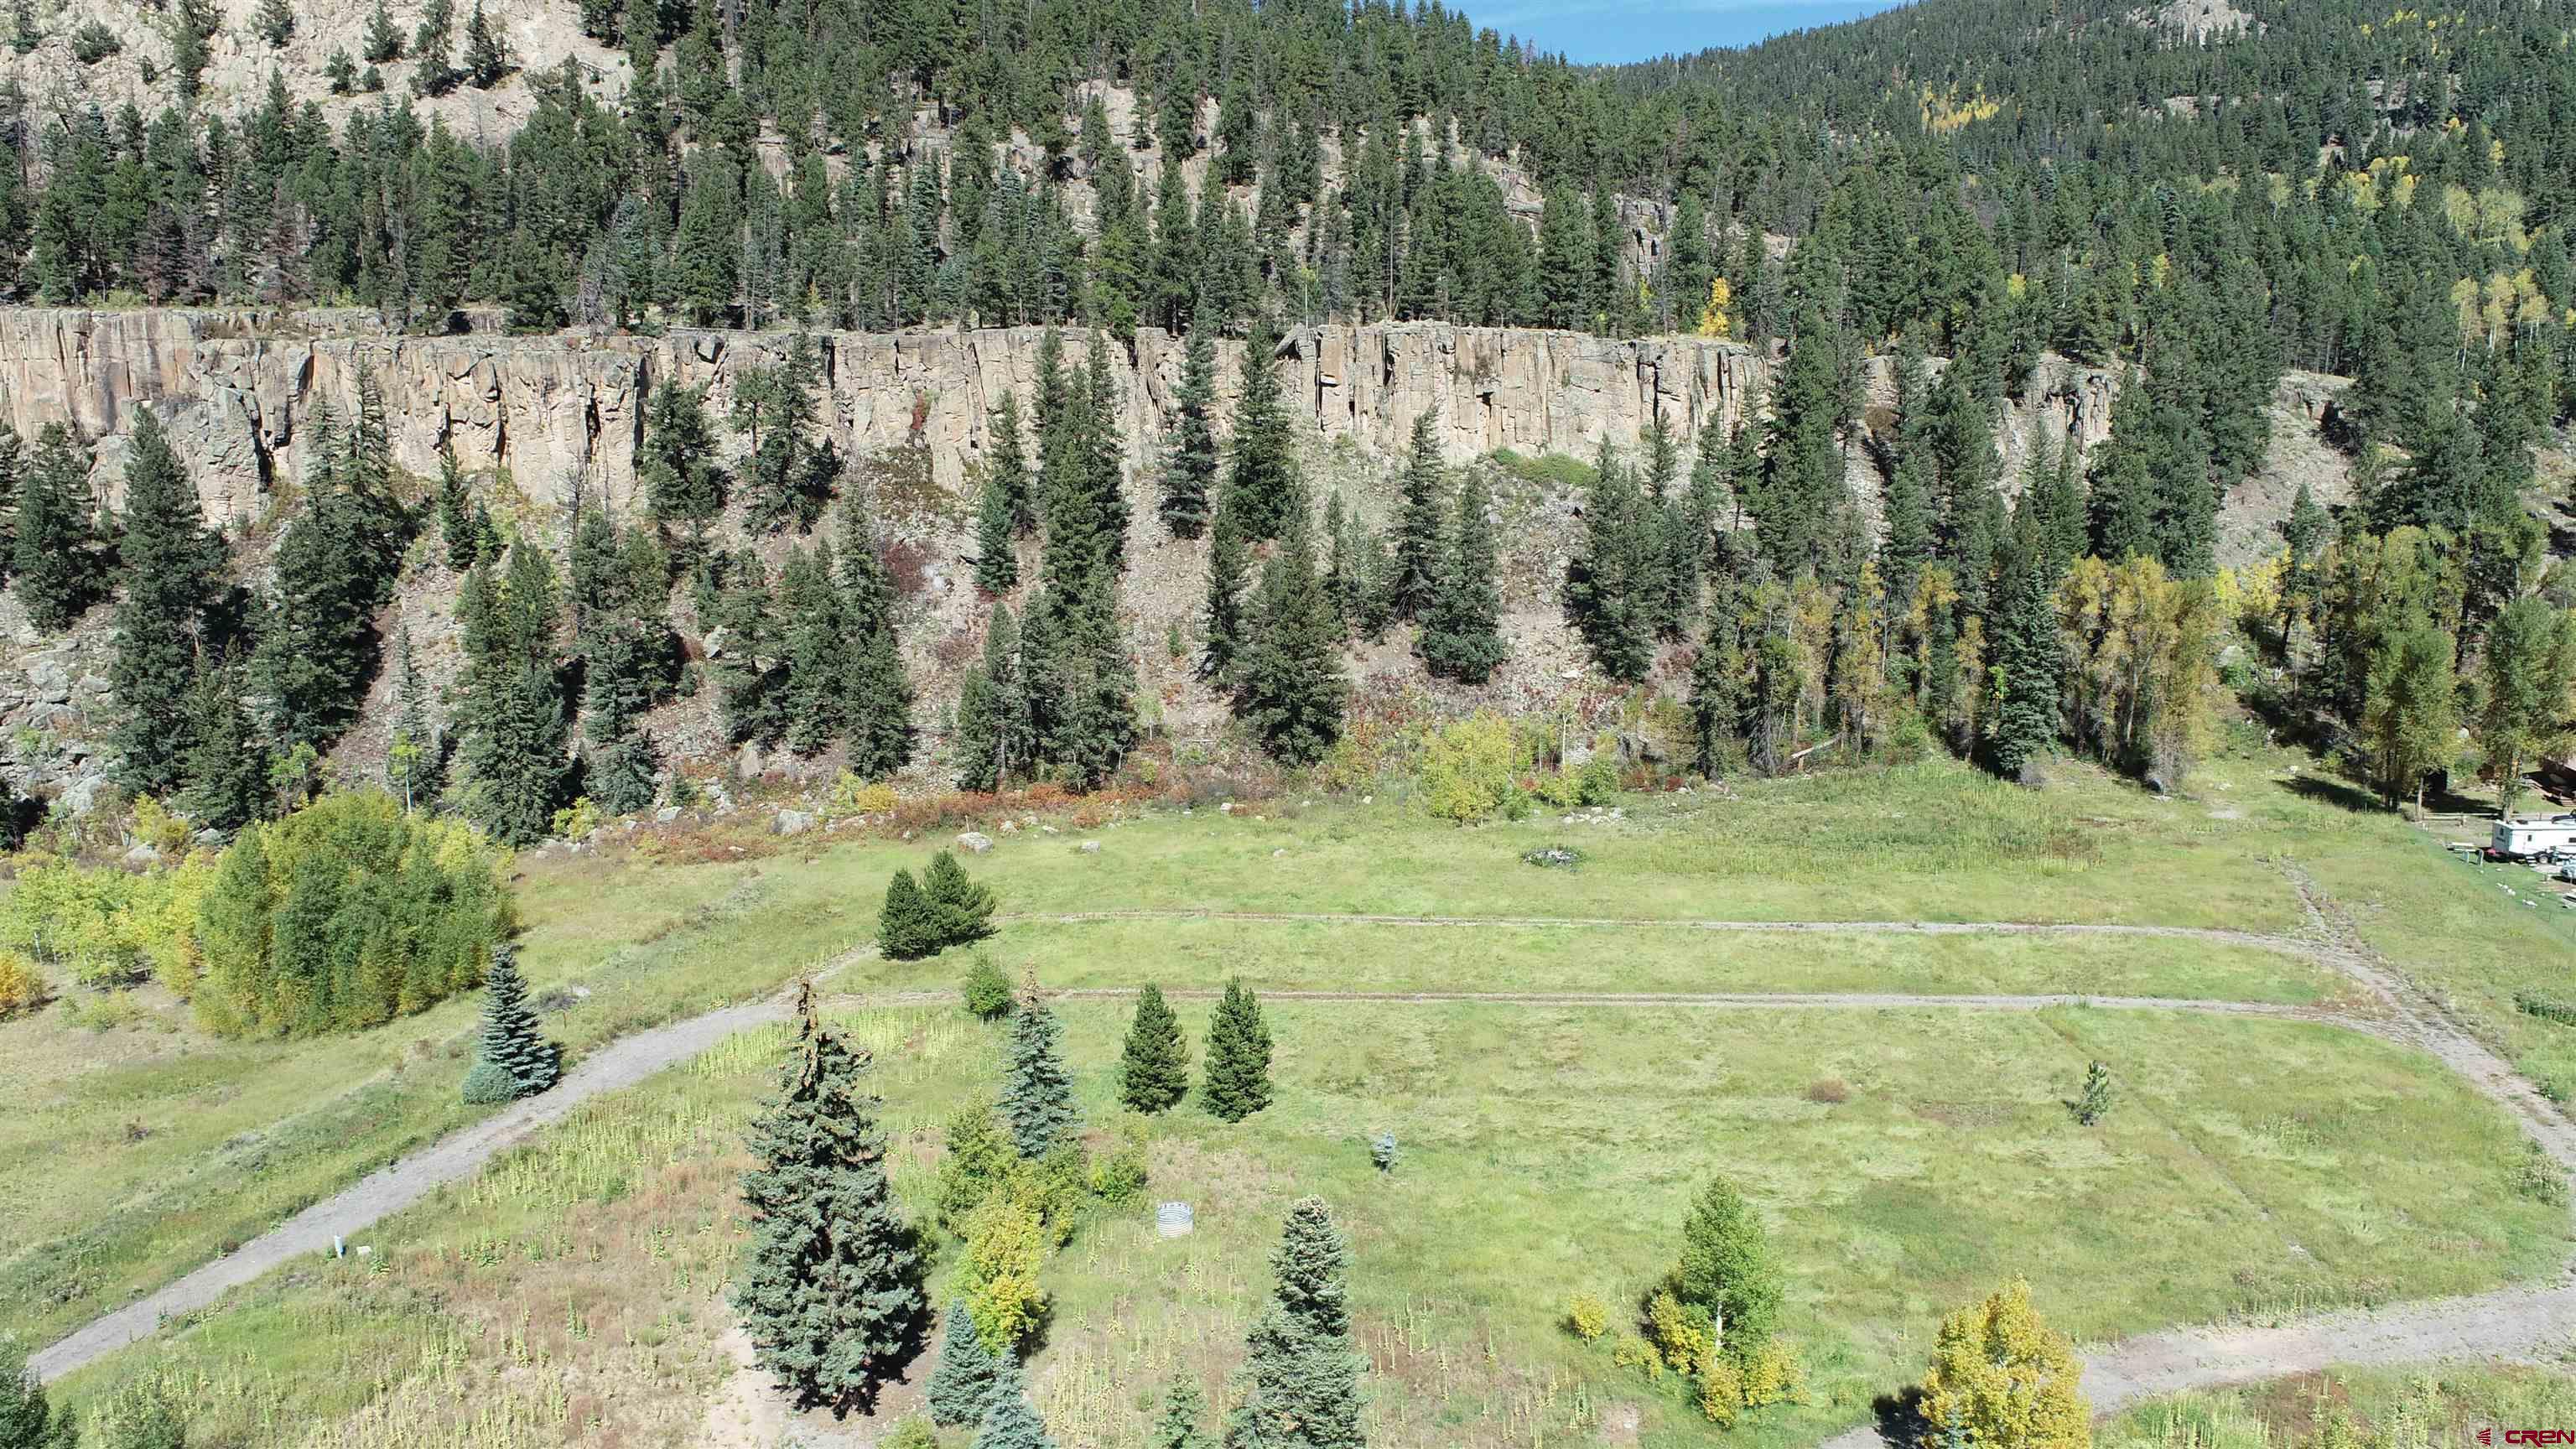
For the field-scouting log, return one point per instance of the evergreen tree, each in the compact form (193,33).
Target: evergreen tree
(487,53)
(1182,1424)
(684,483)
(1011,1423)
(997,566)
(1154,1073)
(1718,697)
(907,928)
(318,646)
(1037,1090)
(27,1420)
(510,1043)
(1288,683)
(513,720)
(878,698)
(960,1390)
(1010,471)
(1608,582)
(1302,1379)
(55,561)
(750,672)
(224,764)
(1237,1081)
(993,729)
(382,41)
(275,23)
(2026,663)
(173,568)
(1462,639)
(961,910)
(1419,562)
(1261,473)
(1222,623)
(830,1291)
(1190,469)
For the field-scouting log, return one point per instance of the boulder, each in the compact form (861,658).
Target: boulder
(792,822)
(974,842)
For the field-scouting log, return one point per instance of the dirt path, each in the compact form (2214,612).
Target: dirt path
(2289,945)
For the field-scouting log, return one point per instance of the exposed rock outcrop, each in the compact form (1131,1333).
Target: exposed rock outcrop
(561,415)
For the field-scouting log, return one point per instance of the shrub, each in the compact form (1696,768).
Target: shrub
(1634,1352)
(1382,1151)
(1685,1333)
(854,796)
(997,1273)
(1829,1091)
(987,988)
(2539,1178)
(94,42)
(1587,1317)
(1468,768)
(21,989)
(1119,1178)
(577,820)
(108,927)
(2096,1101)
(912,1431)
(347,914)
(2545,1008)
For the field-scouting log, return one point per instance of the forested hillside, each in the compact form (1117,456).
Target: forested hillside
(2192,201)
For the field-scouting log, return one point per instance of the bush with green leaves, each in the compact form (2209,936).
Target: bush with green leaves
(106,927)
(1471,768)
(27,1419)
(347,914)
(987,988)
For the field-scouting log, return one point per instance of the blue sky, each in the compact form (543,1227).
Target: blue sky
(1615,30)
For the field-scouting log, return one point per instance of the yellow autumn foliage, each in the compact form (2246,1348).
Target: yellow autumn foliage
(2001,1378)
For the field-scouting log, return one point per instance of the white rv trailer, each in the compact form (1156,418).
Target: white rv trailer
(2534,838)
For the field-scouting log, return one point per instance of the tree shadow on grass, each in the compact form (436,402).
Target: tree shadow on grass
(2335,792)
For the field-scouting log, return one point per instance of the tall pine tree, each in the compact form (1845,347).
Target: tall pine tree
(1154,1071)
(831,1288)
(1237,1083)
(1037,1089)
(1302,1377)
(173,576)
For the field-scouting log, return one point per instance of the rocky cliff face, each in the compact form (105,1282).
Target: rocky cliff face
(561,416)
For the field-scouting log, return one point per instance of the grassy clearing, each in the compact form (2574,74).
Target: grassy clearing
(2439,1408)
(2250,1168)
(1338,956)
(136,1153)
